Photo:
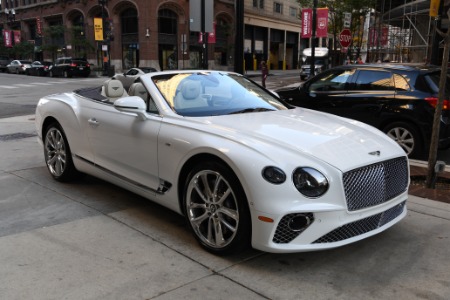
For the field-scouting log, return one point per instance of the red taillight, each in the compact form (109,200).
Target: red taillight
(88,65)
(434,100)
(73,64)
(45,67)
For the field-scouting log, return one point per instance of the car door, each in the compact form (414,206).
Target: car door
(123,144)
(368,93)
(325,90)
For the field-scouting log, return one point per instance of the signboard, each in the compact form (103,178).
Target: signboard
(322,22)
(345,38)
(347,19)
(434,8)
(38,26)
(7,38)
(306,23)
(195,15)
(98,29)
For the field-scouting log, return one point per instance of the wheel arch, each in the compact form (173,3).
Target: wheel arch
(192,161)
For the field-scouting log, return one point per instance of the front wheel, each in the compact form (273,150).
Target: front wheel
(408,137)
(216,208)
(58,157)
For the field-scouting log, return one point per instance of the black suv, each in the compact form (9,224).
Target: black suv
(69,67)
(397,99)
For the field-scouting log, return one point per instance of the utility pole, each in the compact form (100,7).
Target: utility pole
(239,37)
(313,40)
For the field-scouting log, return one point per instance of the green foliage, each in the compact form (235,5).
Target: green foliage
(81,45)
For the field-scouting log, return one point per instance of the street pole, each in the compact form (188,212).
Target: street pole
(204,37)
(313,41)
(239,37)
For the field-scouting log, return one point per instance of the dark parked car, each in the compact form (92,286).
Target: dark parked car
(4,61)
(38,68)
(18,66)
(397,99)
(69,67)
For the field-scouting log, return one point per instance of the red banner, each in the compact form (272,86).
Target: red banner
(373,37)
(306,23)
(211,36)
(17,36)
(38,26)
(322,22)
(7,38)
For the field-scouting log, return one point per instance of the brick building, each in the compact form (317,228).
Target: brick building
(154,33)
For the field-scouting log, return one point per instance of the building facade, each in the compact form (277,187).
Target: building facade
(153,33)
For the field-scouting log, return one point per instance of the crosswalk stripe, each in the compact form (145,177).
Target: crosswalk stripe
(23,85)
(8,87)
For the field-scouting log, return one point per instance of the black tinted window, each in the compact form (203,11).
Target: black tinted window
(371,80)
(333,80)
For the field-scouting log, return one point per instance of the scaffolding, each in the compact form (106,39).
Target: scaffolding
(405,29)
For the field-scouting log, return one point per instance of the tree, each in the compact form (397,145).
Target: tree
(81,45)
(53,40)
(432,158)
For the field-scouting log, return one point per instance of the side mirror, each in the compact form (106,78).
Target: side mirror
(131,104)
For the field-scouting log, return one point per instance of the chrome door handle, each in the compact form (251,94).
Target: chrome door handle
(93,121)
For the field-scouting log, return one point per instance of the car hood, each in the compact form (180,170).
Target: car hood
(343,143)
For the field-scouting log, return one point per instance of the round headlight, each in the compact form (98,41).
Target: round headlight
(310,182)
(273,175)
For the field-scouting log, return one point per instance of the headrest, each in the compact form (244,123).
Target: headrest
(191,89)
(113,88)
(138,89)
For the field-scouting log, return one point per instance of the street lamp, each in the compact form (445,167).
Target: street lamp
(10,15)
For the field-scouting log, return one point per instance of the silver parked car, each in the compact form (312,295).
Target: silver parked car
(18,66)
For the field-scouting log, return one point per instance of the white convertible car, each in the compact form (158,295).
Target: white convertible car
(241,166)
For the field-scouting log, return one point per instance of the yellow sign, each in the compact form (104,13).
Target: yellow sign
(434,8)
(98,29)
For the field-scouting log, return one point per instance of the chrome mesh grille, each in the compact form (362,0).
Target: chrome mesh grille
(362,226)
(283,233)
(375,184)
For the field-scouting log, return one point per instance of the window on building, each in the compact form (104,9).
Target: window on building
(258,3)
(278,7)
(293,12)
(167,20)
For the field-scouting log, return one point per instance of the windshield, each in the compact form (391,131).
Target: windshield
(214,93)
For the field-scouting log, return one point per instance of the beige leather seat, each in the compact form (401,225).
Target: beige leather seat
(113,90)
(138,89)
(190,95)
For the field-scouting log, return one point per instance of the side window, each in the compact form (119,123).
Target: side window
(334,80)
(401,84)
(372,80)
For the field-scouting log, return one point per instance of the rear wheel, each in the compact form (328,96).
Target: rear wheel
(408,137)
(58,157)
(216,208)
(66,74)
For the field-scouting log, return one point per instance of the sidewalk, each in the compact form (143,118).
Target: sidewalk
(93,240)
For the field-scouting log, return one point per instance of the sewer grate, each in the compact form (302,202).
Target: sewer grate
(16,136)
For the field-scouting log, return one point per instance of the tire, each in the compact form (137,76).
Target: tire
(221,226)
(50,73)
(408,137)
(66,74)
(57,155)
